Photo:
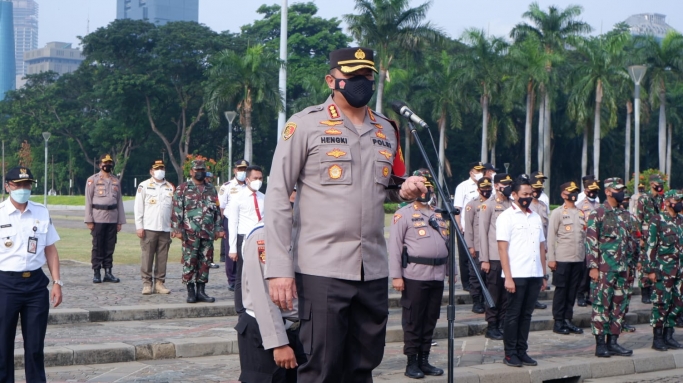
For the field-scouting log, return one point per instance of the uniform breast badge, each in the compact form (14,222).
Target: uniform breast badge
(335,172)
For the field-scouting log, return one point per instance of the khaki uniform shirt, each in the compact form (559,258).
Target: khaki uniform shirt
(487,228)
(153,205)
(341,175)
(542,210)
(567,235)
(473,210)
(100,193)
(587,206)
(255,295)
(411,229)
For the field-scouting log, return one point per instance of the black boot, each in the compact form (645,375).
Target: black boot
(625,327)
(540,306)
(669,338)
(191,295)
(645,294)
(600,347)
(97,277)
(425,367)
(412,368)
(560,328)
(501,327)
(492,332)
(222,257)
(581,300)
(201,295)
(477,307)
(658,342)
(572,329)
(109,277)
(615,349)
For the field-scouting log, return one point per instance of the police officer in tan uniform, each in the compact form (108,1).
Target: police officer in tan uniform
(104,216)
(417,266)
(268,337)
(341,156)
(474,209)
(488,254)
(587,205)
(566,257)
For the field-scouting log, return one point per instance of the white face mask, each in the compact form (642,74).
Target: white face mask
(241,176)
(478,176)
(255,185)
(159,174)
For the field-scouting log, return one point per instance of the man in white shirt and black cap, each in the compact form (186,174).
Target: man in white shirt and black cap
(27,242)
(466,191)
(227,191)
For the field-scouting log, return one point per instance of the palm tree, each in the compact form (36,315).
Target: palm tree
(482,66)
(552,29)
(598,76)
(243,80)
(665,63)
(390,27)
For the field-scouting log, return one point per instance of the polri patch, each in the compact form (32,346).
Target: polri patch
(335,172)
(289,130)
(397,217)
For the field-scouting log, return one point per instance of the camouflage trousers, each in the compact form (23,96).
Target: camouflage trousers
(644,280)
(609,302)
(666,300)
(197,255)
(629,290)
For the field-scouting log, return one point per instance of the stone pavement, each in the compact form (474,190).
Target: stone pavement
(477,360)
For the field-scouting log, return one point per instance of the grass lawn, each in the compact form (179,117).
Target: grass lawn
(75,244)
(69,200)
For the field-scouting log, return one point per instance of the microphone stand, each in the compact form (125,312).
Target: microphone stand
(447,204)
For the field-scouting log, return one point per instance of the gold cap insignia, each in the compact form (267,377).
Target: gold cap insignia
(360,55)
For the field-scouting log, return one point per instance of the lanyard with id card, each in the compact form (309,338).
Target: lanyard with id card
(33,242)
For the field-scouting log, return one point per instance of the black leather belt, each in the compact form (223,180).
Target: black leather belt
(295,324)
(23,274)
(105,207)
(428,261)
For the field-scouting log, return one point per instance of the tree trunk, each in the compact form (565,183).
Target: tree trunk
(547,136)
(527,128)
(484,128)
(442,147)
(406,149)
(668,153)
(584,153)
(380,89)
(596,131)
(541,126)
(627,143)
(662,132)
(493,155)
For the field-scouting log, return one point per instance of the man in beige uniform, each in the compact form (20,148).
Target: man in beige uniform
(104,216)
(488,254)
(587,205)
(474,209)
(268,337)
(566,257)
(340,156)
(153,205)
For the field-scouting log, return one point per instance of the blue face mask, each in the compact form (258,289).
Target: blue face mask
(20,195)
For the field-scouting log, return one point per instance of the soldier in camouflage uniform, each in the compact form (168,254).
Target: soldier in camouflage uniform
(196,220)
(634,250)
(662,265)
(608,261)
(648,205)
(587,204)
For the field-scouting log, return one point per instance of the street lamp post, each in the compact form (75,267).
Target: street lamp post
(637,72)
(282,79)
(230,116)
(46,136)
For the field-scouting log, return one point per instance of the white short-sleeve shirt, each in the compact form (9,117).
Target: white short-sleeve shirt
(524,233)
(464,193)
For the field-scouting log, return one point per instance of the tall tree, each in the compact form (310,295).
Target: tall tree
(243,80)
(391,27)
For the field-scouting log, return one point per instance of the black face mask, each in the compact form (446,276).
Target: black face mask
(524,202)
(678,207)
(107,168)
(537,193)
(618,196)
(659,188)
(357,90)
(591,195)
(507,191)
(425,197)
(485,193)
(199,176)
(573,196)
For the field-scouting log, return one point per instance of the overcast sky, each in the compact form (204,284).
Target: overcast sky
(63,20)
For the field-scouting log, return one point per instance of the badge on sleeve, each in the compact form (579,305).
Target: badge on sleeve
(288,132)
(261,250)
(397,217)
(468,208)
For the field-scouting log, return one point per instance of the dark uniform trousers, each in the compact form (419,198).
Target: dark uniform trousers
(230,265)
(421,302)
(584,281)
(464,263)
(343,328)
(103,244)
(257,364)
(518,315)
(30,298)
(475,286)
(496,286)
(566,280)
(239,307)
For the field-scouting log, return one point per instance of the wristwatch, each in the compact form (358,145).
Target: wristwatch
(546,277)
(58,282)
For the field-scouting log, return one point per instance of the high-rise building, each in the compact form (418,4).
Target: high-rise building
(25,32)
(55,56)
(7,64)
(644,24)
(158,12)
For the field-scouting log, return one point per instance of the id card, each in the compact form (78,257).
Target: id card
(32,245)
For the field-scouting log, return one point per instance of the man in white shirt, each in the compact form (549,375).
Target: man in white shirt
(227,191)
(153,205)
(521,245)
(243,214)
(27,242)
(465,192)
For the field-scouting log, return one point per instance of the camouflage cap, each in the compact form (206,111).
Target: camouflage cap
(198,164)
(484,183)
(614,183)
(656,178)
(673,193)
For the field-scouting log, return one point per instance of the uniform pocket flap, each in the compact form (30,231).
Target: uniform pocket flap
(241,326)
(305,310)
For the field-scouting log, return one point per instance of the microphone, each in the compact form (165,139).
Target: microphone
(402,109)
